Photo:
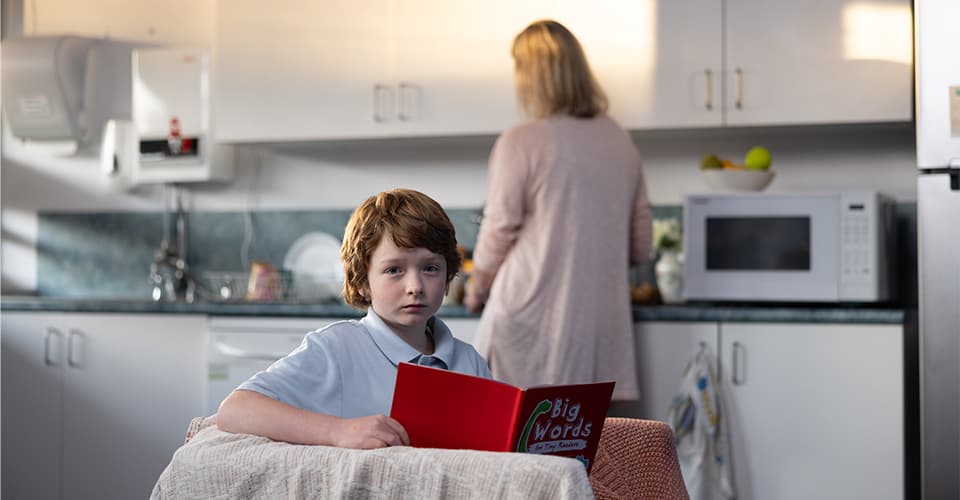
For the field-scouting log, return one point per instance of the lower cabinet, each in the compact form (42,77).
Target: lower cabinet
(94,405)
(814,410)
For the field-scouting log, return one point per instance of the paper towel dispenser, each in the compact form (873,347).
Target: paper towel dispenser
(65,88)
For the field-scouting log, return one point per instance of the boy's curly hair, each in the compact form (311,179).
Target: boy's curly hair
(413,220)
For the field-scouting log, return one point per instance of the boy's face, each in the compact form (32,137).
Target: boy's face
(406,287)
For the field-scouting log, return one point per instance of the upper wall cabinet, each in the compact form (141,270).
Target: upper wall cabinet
(171,22)
(304,70)
(709,63)
(338,69)
(299,69)
(659,61)
(828,61)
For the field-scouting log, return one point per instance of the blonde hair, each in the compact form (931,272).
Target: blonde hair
(553,75)
(413,219)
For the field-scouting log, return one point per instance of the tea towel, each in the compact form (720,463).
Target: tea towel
(700,431)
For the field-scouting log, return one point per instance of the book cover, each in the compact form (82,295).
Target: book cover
(445,409)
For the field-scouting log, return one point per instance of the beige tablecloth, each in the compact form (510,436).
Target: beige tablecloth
(217,464)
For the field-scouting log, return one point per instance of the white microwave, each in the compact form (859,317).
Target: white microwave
(791,247)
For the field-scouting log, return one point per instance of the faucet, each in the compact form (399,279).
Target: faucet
(169,274)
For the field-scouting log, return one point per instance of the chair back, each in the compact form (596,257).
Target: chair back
(637,459)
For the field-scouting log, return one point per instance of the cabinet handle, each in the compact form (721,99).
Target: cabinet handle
(736,378)
(709,102)
(378,90)
(404,89)
(51,333)
(73,353)
(738,101)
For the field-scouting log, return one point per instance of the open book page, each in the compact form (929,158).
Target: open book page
(446,409)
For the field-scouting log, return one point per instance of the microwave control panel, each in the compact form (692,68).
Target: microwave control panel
(863,250)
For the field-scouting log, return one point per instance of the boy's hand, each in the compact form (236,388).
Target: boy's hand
(374,431)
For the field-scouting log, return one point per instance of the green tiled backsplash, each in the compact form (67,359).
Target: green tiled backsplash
(107,255)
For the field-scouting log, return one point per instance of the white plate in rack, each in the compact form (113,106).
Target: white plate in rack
(314,263)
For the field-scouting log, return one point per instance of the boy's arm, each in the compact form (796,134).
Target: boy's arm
(250,412)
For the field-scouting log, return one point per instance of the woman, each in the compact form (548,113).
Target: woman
(566,214)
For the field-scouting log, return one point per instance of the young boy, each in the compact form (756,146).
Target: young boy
(399,254)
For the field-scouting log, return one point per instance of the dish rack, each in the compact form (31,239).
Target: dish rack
(223,286)
(280,286)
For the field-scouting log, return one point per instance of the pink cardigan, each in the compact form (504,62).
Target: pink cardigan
(566,214)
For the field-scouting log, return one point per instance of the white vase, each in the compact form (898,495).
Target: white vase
(669,272)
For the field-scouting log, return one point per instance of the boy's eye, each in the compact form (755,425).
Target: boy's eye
(392,270)
(432,268)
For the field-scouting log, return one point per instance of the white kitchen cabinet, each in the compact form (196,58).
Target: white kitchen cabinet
(451,65)
(32,370)
(301,70)
(305,70)
(658,61)
(706,63)
(816,410)
(427,67)
(95,404)
(337,69)
(663,351)
(827,61)
(180,22)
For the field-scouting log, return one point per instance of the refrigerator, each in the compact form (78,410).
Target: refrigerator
(937,46)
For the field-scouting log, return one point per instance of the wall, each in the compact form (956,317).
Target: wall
(339,175)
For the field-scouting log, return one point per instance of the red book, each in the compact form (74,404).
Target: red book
(445,409)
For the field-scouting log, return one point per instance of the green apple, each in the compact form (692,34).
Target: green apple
(758,158)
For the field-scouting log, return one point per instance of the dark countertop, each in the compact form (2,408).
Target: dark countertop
(682,312)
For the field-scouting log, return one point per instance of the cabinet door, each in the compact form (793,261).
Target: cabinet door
(300,69)
(32,389)
(452,64)
(133,382)
(818,62)
(816,410)
(663,351)
(658,61)
(181,22)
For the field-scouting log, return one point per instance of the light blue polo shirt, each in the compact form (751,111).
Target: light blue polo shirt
(348,369)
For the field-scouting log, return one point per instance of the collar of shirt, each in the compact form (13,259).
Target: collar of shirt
(396,350)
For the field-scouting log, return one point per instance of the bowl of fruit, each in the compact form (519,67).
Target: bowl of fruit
(724,175)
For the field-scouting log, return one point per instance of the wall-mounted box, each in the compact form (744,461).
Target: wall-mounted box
(171,134)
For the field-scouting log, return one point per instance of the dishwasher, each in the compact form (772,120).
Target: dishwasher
(239,347)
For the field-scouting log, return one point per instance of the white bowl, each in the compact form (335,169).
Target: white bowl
(738,180)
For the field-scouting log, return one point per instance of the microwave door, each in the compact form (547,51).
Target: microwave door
(759,244)
(782,250)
